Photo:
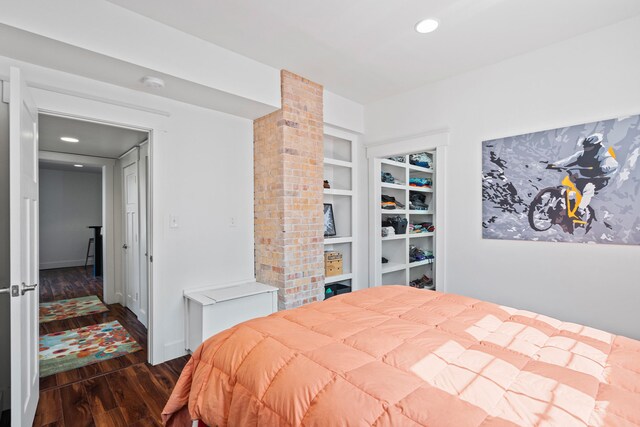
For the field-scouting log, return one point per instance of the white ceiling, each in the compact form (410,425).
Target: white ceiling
(36,49)
(366,50)
(96,139)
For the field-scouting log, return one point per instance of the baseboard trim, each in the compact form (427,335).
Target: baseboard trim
(174,350)
(120,298)
(63,264)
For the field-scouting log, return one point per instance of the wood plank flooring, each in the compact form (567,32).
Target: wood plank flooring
(125,391)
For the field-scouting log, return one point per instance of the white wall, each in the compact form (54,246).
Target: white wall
(343,113)
(591,77)
(70,201)
(202,168)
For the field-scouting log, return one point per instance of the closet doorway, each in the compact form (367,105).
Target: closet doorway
(406,197)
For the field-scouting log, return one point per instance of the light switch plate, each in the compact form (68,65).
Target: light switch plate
(173,221)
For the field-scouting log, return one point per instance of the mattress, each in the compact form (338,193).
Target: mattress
(400,356)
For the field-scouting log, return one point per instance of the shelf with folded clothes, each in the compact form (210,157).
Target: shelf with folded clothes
(421,228)
(421,162)
(393,199)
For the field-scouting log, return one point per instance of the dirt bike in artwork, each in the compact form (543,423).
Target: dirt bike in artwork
(559,206)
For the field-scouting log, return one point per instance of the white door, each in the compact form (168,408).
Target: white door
(23,218)
(132,243)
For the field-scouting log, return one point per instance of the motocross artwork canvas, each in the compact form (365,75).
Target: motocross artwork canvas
(574,184)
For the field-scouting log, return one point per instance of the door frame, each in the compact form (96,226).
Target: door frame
(109,168)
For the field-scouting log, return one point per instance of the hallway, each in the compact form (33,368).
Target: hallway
(123,391)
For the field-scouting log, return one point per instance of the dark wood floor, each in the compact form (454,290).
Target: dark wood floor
(125,391)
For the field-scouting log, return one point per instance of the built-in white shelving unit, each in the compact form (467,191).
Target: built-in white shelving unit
(395,248)
(340,169)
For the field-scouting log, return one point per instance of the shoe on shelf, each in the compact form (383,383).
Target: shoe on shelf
(384,260)
(416,254)
(427,282)
(417,201)
(387,177)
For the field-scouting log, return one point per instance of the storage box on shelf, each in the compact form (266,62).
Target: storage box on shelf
(332,263)
(412,187)
(334,289)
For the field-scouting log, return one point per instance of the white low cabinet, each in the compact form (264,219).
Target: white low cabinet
(212,310)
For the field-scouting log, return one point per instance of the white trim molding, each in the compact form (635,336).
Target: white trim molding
(429,140)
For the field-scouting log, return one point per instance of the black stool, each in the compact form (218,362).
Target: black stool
(86,260)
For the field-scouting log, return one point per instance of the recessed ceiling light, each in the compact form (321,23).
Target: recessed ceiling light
(153,82)
(69,139)
(78,166)
(427,26)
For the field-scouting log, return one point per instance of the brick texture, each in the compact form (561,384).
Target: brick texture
(288,199)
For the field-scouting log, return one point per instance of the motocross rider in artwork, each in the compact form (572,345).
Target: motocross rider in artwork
(595,165)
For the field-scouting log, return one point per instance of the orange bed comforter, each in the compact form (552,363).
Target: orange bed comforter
(399,356)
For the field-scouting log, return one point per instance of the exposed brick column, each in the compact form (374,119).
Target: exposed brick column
(288,170)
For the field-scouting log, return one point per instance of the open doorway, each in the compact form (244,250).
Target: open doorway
(94,281)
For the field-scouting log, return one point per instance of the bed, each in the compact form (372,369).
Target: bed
(400,356)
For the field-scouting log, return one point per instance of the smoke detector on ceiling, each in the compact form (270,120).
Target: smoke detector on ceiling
(153,82)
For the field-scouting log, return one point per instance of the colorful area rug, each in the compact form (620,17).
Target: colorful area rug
(62,351)
(67,308)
